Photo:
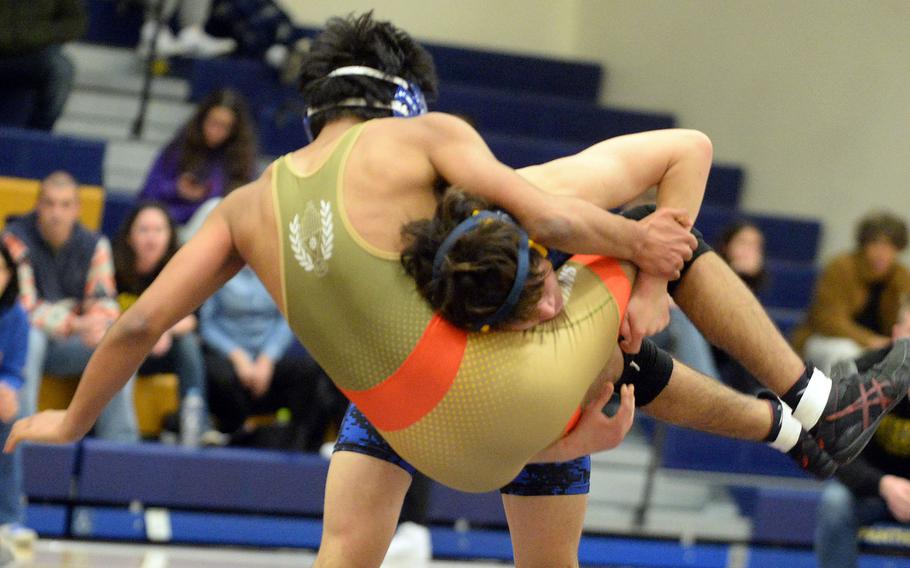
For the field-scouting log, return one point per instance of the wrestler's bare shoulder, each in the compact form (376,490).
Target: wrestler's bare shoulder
(422,129)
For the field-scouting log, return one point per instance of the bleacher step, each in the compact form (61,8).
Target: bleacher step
(115,106)
(117,69)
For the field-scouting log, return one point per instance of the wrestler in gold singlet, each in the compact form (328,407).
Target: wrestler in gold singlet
(468,409)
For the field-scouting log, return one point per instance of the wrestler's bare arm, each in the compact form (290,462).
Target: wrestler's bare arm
(460,156)
(616,171)
(197,270)
(565,222)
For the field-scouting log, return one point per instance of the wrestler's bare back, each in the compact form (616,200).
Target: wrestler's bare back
(388,181)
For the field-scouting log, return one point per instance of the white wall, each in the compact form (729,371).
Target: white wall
(812,97)
(531,26)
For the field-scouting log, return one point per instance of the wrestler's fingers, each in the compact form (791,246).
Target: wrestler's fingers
(626,410)
(13,439)
(682,217)
(605,395)
(625,332)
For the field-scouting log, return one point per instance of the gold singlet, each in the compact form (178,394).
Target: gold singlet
(467,409)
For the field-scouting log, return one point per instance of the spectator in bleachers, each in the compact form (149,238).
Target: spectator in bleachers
(251,369)
(191,40)
(262,29)
(212,154)
(857,296)
(146,242)
(34,71)
(13,347)
(742,246)
(66,282)
(875,487)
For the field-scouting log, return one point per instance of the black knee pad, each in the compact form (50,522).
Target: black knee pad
(648,371)
(640,212)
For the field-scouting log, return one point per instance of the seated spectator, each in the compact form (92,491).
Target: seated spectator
(146,242)
(742,245)
(13,347)
(213,153)
(66,282)
(191,40)
(262,29)
(857,296)
(35,73)
(251,371)
(873,488)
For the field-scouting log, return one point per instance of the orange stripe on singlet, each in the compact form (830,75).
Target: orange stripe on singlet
(420,383)
(427,374)
(619,285)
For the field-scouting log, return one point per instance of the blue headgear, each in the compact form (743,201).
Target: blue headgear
(525,244)
(407,101)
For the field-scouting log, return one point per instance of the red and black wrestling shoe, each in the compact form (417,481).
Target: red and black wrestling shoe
(860,398)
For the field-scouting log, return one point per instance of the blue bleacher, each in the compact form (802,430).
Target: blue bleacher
(35,154)
(697,451)
(546,117)
(790,284)
(48,470)
(724,186)
(223,478)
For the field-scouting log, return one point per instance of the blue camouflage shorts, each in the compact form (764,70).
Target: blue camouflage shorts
(567,478)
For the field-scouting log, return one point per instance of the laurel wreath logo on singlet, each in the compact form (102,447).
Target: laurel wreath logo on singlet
(312,240)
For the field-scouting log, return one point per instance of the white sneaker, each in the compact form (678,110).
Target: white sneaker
(18,535)
(200,44)
(411,546)
(166,45)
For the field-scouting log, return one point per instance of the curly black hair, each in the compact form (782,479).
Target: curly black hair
(361,40)
(479,270)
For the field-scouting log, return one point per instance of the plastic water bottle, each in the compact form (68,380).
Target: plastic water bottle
(191,419)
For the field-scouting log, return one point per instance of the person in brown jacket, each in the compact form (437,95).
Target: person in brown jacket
(857,297)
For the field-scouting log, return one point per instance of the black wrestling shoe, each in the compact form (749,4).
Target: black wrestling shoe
(859,400)
(811,458)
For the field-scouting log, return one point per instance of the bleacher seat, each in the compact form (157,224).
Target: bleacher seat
(690,450)
(18,196)
(154,397)
(724,185)
(546,117)
(116,208)
(790,284)
(34,154)
(113,22)
(230,479)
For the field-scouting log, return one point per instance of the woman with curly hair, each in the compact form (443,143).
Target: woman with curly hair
(146,242)
(210,156)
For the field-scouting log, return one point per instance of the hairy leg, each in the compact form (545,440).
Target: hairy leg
(545,530)
(731,317)
(363,497)
(699,402)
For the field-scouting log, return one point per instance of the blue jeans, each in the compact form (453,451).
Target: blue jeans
(185,359)
(840,515)
(68,357)
(10,480)
(43,79)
